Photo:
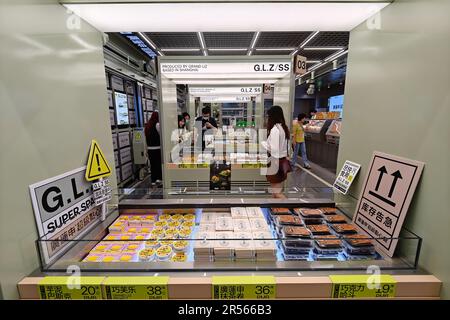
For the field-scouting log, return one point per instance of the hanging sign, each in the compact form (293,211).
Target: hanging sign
(300,65)
(385,198)
(206,91)
(212,99)
(346,176)
(64,209)
(97,166)
(225,69)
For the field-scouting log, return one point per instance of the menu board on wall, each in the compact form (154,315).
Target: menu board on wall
(117,83)
(121,108)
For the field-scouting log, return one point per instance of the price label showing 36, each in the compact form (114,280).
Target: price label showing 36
(243,287)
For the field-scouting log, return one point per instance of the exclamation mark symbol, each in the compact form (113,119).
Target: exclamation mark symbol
(98,162)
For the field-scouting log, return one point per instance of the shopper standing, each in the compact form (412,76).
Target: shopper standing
(298,141)
(277,146)
(206,122)
(152,135)
(312,114)
(187,119)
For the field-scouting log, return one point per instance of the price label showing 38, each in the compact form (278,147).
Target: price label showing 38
(140,288)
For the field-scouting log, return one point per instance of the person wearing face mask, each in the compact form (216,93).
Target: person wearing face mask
(298,141)
(187,119)
(206,122)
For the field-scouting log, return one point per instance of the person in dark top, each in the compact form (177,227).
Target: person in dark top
(206,122)
(152,136)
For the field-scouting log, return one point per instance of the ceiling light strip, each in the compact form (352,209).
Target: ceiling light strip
(274,49)
(149,42)
(227,49)
(180,49)
(322,48)
(306,41)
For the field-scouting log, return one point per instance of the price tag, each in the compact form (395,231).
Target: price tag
(362,286)
(250,166)
(135,288)
(71,288)
(243,287)
(187,166)
(203,165)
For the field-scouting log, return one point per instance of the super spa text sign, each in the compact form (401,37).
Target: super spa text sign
(64,209)
(384,202)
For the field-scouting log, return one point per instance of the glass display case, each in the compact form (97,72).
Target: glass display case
(230,231)
(334,132)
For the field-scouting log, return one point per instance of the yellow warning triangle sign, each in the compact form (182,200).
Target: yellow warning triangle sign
(97,166)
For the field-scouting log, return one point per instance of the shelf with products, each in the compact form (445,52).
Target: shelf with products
(231,234)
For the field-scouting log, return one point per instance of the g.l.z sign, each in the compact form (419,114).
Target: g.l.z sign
(384,202)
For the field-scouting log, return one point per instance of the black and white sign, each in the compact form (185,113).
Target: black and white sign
(207,91)
(300,65)
(102,191)
(346,176)
(385,198)
(226,68)
(64,209)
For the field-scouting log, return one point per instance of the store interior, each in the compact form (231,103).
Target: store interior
(101,70)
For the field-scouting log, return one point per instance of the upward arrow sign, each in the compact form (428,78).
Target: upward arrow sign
(397,175)
(380,177)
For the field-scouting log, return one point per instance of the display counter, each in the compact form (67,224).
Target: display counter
(300,242)
(321,139)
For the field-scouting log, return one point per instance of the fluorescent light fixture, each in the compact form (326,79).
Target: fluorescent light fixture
(200,37)
(147,40)
(179,17)
(205,53)
(336,55)
(180,49)
(274,49)
(322,48)
(159,52)
(227,49)
(294,52)
(313,61)
(310,37)
(255,38)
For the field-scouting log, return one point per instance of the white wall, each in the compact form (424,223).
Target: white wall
(397,100)
(53,102)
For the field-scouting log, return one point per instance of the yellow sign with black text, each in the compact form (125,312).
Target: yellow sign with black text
(363,286)
(243,287)
(71,288)
(136,288)
(97,166)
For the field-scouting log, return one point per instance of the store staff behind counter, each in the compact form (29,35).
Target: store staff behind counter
(206,122)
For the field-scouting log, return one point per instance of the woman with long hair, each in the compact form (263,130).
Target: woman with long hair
(152,136)
(277,146)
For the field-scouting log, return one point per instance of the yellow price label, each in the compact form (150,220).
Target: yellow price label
(243,287)
(136,288)
(363,286)
(202,165)
(187,166)
(71,288)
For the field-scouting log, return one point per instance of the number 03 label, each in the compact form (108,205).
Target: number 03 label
(243,287)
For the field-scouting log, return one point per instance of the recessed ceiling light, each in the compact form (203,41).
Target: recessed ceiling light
(179,17)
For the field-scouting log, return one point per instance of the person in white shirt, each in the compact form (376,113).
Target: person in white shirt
(277,146)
